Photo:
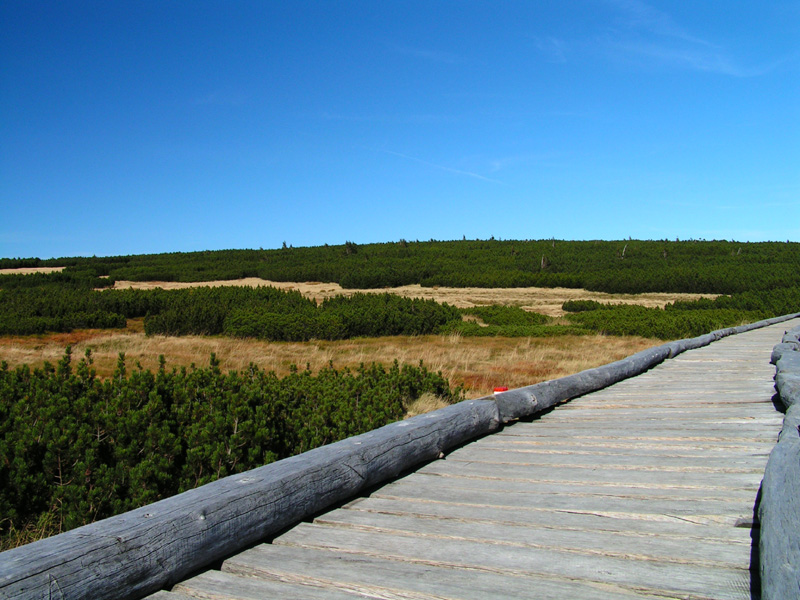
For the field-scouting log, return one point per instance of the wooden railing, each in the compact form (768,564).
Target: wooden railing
(779,510)
(133,554)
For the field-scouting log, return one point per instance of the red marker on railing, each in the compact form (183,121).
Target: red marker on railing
(502,388)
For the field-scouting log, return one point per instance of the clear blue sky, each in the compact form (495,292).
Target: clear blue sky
(144,126)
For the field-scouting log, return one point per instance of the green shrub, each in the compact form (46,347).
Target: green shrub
(575,306)
(76,449)
(496,314)
(658,323)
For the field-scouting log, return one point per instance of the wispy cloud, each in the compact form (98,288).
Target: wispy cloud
(635,14)
(685,56)
(442,167)
(649,35)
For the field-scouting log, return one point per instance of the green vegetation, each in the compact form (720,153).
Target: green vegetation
(507,321)
(360,315)
(625,266)
(575,306)
(761,279)
(683,319)
(626,319)
(506,316)
(75,449)
(262,312)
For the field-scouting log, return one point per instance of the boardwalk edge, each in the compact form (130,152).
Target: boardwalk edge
(779,510)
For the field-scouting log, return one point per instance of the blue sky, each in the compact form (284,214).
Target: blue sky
(145,126)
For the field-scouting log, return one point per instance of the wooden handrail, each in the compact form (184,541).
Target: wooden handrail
(779,510)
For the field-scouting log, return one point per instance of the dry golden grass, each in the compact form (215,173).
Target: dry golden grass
(547,301)
(426,403)
(479,364)
(29,270)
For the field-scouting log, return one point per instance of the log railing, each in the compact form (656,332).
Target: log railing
(779,510)
(133,554)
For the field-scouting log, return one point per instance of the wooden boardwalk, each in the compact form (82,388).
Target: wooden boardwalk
(643,490)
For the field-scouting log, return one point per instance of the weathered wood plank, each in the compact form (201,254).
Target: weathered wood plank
(698,419)
(589,473)
(628,544)
(218,585)
(556,439)
(667,430)
(386,578)
(632,574)
(615,448)
(561,518)
(498,480)
(731,512)
(163,595)
(663,436)
(744,463)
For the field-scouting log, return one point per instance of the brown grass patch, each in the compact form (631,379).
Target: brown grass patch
(29,270)
(547,301)
(479,364)
(426,403)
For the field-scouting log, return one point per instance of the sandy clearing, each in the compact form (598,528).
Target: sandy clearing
(29,270)
(543,300)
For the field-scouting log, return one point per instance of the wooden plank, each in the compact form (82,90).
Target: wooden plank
(756,415)
(743,463)
(629,573)
(653,431)
(618,444)
(698,420)
(386,578)
(627,544)
(632,443)
(501,481)
(164,595)
(589,473)
(674,435)
(720,511)
(662,525)
(611,448)
(218,585)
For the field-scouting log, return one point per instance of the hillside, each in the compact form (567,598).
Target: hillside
(622,266)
